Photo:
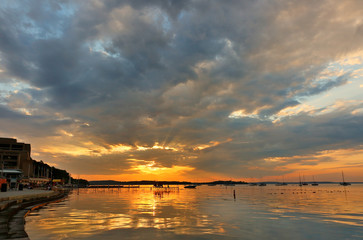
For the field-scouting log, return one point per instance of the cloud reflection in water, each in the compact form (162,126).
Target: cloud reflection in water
(287,212)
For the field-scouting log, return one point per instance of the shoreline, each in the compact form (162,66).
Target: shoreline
(14,206)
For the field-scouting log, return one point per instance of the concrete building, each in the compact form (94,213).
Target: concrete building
(15,160)
(16,164)
(16,156)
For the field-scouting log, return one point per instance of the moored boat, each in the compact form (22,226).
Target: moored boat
(190,186)
(314,183)
(344,183)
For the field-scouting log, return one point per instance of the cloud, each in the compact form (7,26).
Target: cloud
(138,73)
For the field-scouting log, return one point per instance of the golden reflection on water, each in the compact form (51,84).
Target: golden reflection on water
(207,210)
(96,210)
(332,202)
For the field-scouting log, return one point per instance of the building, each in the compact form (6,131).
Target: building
(15,160)
(16,164)
(15,156)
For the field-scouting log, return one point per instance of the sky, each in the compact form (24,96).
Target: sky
(190,90)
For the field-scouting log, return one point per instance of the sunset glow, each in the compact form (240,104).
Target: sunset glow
(186,90)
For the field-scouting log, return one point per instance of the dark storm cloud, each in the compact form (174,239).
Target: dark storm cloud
(172,72)
(7,113)
(302,135)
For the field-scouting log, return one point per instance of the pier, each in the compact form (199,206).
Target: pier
(161,188)
(114,186)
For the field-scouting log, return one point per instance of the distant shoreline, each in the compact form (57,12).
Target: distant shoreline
(143,182)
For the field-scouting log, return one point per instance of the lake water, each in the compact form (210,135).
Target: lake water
(327,211)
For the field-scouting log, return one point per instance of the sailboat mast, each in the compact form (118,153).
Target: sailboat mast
(343,177)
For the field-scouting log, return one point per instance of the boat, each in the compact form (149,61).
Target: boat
(344,183)
(300,182)
(262,184)
(252,184)
(158,185)
(314,183)
(304,183)
(281,183)
(190,186)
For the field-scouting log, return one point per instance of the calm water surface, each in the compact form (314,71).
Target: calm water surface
(207,212)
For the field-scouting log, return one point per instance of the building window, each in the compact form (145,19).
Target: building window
(17,147)
(10,164)
(10,157)
(4,146)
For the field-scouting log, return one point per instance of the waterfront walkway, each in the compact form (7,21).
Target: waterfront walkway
(14,205)
(21,196)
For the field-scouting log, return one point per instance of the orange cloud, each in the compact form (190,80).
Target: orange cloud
(347,160)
